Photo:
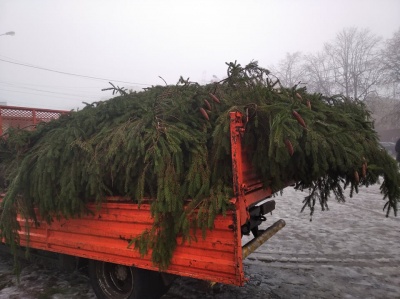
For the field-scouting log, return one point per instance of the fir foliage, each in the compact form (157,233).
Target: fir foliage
(171,144)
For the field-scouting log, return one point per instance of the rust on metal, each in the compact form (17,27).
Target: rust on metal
(105,236)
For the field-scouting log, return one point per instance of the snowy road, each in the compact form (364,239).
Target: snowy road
(346,252)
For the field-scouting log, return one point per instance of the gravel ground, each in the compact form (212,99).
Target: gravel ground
(350,251)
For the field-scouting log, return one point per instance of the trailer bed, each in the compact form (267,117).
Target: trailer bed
(105,234)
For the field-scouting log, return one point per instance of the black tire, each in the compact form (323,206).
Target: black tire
(112,281)
(397,146)
(148,284)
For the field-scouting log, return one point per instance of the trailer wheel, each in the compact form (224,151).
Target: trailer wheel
(112,281)
(148,284)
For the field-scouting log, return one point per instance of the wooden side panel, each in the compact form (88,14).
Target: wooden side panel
(105,236)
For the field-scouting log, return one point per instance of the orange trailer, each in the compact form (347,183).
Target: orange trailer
(117,271)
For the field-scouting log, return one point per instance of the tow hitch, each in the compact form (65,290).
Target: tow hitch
(257,217)
(262,238)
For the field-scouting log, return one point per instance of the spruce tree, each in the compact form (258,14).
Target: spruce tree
(171,145)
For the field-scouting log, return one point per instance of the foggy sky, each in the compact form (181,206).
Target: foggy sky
(138,41)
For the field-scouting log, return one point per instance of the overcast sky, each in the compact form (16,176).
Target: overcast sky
(138,41)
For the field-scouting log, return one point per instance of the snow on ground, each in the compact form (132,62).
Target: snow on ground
(38,281)
(350,251)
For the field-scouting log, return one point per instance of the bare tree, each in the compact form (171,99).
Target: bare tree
(391,57)
(390,60)
(318,74)
(290,70)
(353,60)
(390,87)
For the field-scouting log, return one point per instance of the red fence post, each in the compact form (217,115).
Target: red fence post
(34,116)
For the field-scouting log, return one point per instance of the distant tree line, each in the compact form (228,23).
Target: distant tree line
(357,64)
